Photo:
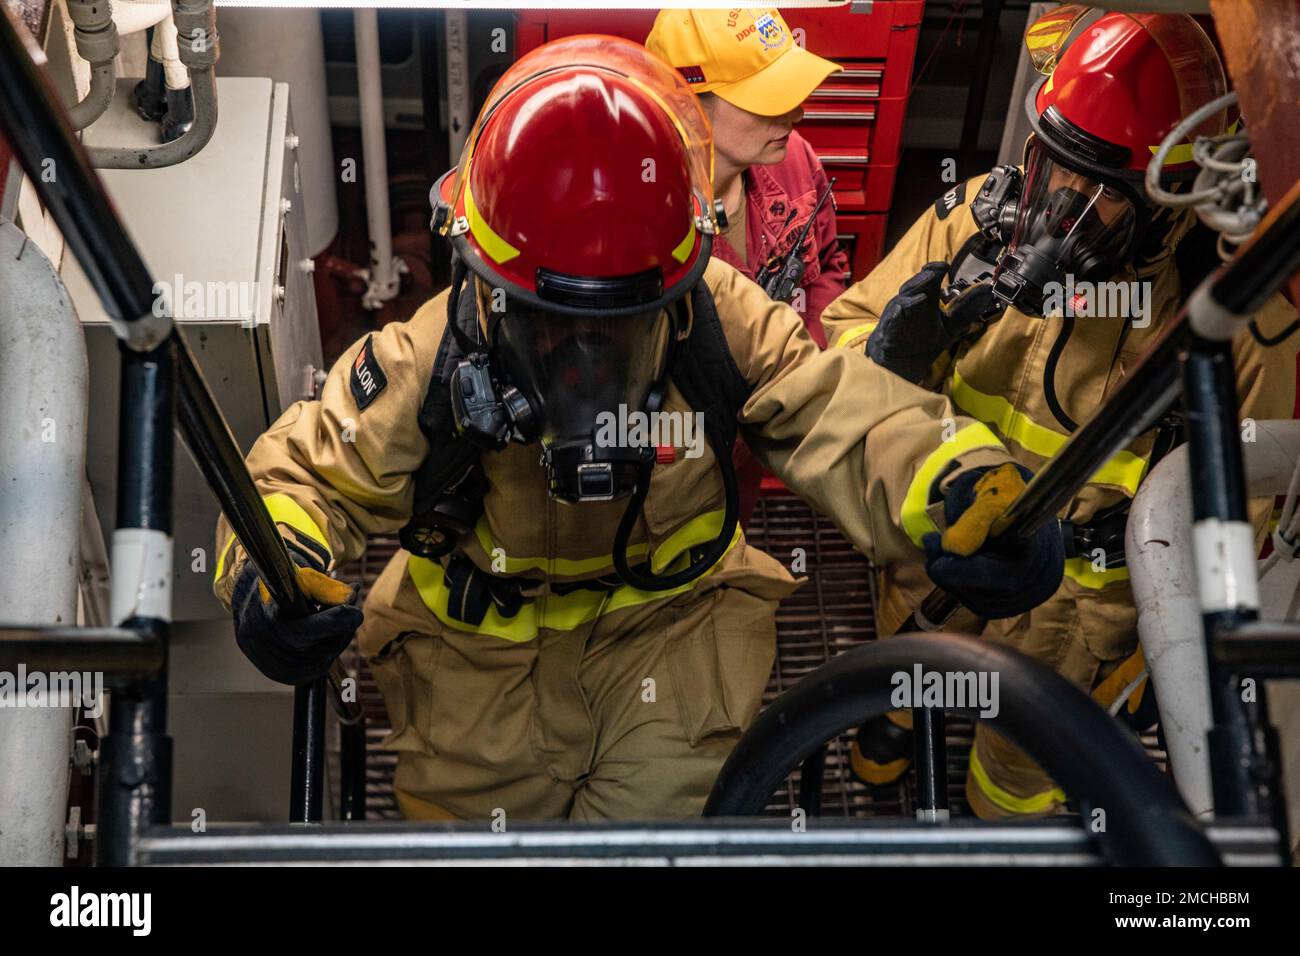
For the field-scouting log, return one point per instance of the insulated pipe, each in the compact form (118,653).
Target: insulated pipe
(132,16)
(384,278)
(133,789)
(44,381)
(103,81)
(199,50)
(96,37)
(1241,748)
(1162,573)
(166,49)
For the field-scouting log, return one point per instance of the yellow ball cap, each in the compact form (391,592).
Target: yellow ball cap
(747,57)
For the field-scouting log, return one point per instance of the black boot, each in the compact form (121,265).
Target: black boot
(180,114)
(148,96)
(881,752)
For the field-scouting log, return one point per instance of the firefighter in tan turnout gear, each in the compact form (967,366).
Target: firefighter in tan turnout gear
(1079,245)
(576,628)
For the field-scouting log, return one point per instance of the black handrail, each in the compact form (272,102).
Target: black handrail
(160,379)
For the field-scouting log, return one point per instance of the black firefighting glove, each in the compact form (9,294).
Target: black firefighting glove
(914,330)
(295,650)
(995,577)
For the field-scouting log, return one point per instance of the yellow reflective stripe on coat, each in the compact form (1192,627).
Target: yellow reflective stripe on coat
(1081,571)
(916,523)
(1037,803)
(1125,469)
(699,530)
(552,612)
(848,335)
(283,510)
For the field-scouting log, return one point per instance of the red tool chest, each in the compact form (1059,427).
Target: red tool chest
(854,120)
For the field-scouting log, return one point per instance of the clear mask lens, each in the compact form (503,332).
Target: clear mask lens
(1074,214)
(1068,225)
(573,369)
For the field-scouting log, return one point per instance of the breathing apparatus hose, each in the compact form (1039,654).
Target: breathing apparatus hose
(1049,375)
(649,581)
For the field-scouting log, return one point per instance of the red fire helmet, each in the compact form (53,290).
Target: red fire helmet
(1120,87)
(586,183)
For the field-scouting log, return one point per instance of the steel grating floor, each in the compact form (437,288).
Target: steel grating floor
(832,612)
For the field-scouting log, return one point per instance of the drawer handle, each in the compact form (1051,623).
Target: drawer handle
(842,160)
(859,74)
(841,116)
(822,93)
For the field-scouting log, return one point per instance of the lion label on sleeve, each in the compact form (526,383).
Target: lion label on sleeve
(949,201)
(368,379)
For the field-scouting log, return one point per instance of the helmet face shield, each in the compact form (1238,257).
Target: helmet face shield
(572,369)
(1068,224)
(1046,37)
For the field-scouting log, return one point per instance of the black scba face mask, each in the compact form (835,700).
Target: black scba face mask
(552,378)
(561,381)
(1067,224)
(576,373)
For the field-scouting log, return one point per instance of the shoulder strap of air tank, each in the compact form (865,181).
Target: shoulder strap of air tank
(435,411)
(449,455)
(705,371)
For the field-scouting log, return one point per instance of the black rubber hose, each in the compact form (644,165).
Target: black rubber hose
(711,556)
(1096,761)
(1049,375)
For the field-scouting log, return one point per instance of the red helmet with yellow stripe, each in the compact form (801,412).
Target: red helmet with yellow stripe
(1106,103)
(1119,88)
(586,184)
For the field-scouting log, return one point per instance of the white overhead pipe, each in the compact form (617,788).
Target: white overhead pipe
(1162,572)
(384,277)
(44,380)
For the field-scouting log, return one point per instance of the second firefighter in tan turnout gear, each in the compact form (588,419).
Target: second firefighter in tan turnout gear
(523,674)
(1021,377)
